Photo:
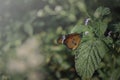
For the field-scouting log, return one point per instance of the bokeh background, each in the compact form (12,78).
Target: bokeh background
(28,33)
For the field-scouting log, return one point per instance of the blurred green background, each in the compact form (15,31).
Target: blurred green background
(28,33)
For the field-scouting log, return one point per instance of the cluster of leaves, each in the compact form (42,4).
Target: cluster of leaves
(95,44)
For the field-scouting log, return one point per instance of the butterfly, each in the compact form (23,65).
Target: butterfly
(72,41)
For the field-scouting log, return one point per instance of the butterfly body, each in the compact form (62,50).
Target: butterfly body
(72,41)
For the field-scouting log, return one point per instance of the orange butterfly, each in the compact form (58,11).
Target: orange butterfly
(71,40)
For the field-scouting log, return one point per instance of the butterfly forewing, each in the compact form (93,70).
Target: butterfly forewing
(72,41)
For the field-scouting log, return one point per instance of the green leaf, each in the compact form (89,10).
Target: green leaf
(115,74)
(83,29)
(99,28)
(118,43)
(116,27)
(101,11)
(88,57)
(79,29)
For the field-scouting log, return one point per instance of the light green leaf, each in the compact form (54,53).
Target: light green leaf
(79,29)
(83,29)
(101,11)
(88,57)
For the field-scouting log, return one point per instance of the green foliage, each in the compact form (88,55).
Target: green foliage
(99,28)
(93,46)
(88,57)
(101,12)
(116,27)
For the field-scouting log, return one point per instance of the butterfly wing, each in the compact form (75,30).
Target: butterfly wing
(72,41)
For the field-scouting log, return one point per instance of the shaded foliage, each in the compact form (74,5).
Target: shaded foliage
(45,20)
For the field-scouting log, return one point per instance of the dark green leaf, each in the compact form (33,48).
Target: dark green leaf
(88,56)
(116,27)
(115,75)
